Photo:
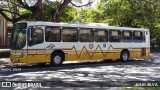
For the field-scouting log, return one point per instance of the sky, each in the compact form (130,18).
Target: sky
(93,4)
(84,2)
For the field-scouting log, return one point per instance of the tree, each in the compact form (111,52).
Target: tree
(68,15)
(133,13)
(130,13)
(35,9)
(89,15)
(127,13)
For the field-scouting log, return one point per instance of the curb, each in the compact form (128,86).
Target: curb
(4,62)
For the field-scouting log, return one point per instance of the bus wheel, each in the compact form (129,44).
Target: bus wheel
(57,59)
(124,56)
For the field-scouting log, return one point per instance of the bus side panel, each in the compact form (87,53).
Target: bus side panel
(93,56)
(98,56)
(131,54)
(71,57)
(117,55)
(147,52)
(17,59)
(38,58)
(135,53)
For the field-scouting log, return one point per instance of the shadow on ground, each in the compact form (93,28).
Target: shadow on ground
(131,70)
(37,68)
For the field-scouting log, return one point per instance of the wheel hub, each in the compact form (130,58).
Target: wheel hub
(57,59)
(125,56)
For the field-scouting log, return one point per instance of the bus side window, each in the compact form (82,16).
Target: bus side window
(52,34)
(69,35)
(47,34)
(114,35)
(101,35)
(86,35)
(137,36)
(37,37)
(126,36)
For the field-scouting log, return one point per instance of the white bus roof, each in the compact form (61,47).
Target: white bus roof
(80,25)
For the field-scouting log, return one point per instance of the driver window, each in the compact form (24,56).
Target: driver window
(36,36)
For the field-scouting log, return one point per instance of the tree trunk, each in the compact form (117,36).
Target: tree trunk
(39,11)
(56,12)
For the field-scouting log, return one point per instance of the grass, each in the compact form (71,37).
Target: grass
(5,54)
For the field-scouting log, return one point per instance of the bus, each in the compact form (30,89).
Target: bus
(48,42)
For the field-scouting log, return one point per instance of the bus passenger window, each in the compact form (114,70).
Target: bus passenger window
(86,35)
(52,34)
(101,35)
(69,35)
(137,36)
(114,36)
(126,36)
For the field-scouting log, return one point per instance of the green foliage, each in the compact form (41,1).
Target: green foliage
(69,14)
(131,13)
(127,13)
(89,15)
(23,11)
(47,10)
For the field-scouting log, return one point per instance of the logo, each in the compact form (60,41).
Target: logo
(91,45)
(6,84)
(50,47)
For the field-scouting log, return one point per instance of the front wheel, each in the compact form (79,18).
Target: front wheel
(124,56)
(56,59)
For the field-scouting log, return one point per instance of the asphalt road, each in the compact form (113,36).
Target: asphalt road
(134,70)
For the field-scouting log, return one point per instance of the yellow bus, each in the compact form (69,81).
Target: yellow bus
(54,43)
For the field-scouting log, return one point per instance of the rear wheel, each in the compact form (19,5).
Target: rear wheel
(124,56)
(56,59)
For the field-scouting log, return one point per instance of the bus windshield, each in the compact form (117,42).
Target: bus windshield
(19,39)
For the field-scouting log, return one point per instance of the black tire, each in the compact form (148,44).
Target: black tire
(56,59)
(124,56)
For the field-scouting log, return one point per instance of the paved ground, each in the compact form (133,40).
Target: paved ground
(136,70)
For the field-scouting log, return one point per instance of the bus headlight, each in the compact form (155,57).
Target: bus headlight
(12,52)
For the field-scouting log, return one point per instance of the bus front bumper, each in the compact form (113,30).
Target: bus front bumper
(17,59)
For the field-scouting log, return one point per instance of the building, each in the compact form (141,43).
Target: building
(4,40)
